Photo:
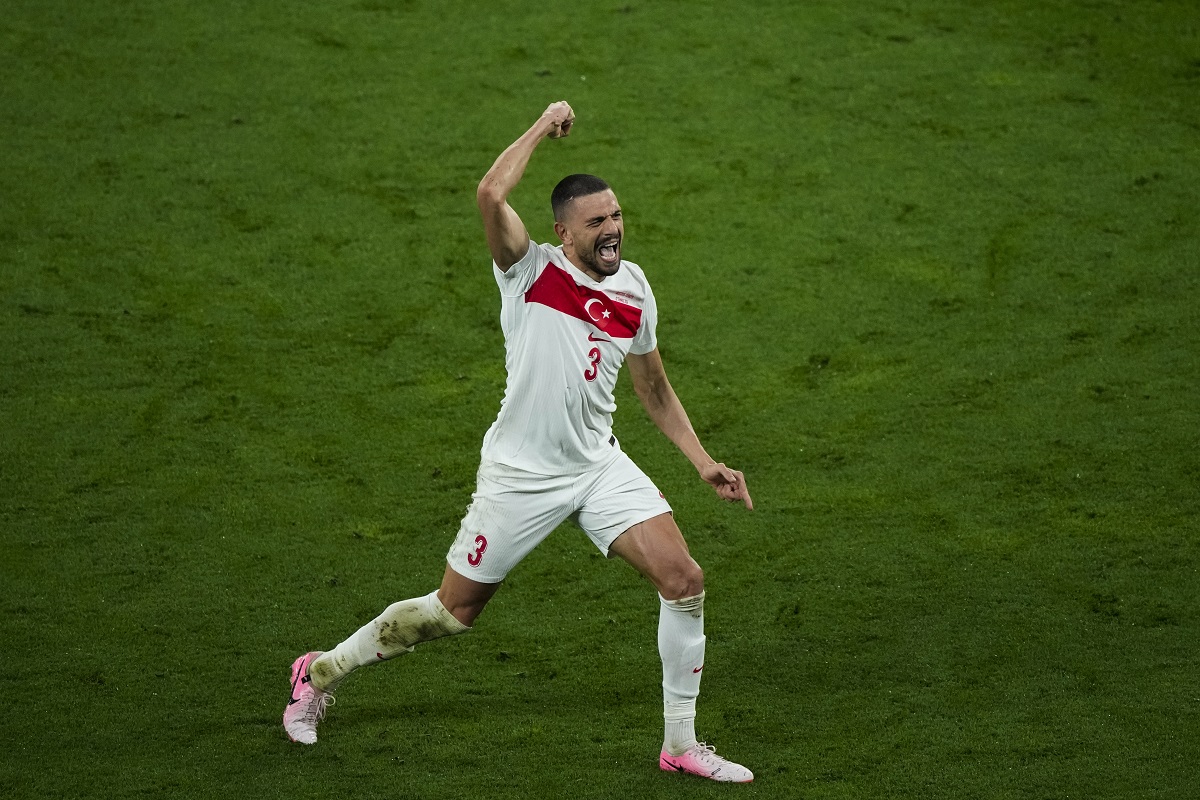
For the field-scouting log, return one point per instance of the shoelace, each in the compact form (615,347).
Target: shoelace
(708,754)
(315,711)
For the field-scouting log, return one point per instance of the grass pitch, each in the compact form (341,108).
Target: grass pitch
(927,272)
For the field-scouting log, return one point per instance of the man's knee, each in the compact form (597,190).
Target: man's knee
(684,580)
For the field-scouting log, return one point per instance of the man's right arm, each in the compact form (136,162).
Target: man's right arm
(507,237)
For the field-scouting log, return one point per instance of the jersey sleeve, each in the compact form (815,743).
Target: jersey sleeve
(520,276)
(646,338)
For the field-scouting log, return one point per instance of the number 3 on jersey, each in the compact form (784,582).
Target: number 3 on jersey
(594,357)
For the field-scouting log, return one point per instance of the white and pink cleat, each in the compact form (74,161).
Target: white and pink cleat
(307,704)
(701,759)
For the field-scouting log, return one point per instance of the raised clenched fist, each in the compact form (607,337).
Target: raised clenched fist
(560,118)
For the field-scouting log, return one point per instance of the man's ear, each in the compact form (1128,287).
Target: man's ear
(561,230)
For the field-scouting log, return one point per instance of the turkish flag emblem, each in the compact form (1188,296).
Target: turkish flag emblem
(558,290)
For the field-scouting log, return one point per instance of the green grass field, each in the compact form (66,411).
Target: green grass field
(927,273)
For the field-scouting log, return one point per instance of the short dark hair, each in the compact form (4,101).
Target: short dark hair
(571,187)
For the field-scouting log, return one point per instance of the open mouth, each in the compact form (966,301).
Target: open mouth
(609,252)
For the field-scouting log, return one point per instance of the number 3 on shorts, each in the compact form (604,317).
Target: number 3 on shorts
(480,548)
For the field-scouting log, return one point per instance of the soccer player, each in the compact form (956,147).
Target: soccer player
(571,314)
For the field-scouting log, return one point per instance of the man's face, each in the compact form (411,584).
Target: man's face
(591,233)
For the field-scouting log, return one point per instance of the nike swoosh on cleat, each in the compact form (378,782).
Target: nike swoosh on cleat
(296,681)
(677,767)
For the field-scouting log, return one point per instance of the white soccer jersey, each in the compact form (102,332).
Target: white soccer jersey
(565,338)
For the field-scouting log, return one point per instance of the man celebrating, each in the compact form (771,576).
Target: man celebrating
(571,315)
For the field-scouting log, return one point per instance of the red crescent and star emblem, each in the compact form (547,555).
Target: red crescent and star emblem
(601,318)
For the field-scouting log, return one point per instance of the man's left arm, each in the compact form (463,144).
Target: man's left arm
(659,399)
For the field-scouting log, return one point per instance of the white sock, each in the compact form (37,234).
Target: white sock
(681,646)
(392,633)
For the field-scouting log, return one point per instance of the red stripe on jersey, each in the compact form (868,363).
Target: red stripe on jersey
(558,290)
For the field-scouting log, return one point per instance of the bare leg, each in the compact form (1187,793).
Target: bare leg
(657,550)
(463,597)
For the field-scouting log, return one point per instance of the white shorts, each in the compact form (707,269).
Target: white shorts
(513,511)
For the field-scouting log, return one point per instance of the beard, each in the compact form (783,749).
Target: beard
(596,261)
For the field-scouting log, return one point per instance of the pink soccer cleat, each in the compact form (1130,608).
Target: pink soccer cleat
(701,759)
(306,706)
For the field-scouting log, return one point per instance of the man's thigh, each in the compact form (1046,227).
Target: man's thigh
(657,550)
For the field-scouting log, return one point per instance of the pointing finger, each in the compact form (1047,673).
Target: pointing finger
(744,492)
